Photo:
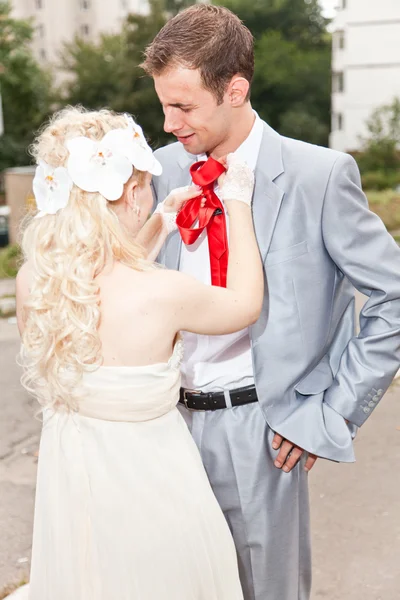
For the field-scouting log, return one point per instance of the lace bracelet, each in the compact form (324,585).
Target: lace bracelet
(169,218)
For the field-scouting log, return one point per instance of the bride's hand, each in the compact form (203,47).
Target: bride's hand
(176,199)
(174,202)
(238,183)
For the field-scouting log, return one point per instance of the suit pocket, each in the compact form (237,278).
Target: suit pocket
(317,381)
(285,254)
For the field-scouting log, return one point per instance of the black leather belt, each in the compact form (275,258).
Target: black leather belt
(194,400)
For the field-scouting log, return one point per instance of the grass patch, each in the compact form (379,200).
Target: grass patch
(386,205)
(10,258)
(7,315)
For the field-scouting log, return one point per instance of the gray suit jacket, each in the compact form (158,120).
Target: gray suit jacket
(318,241)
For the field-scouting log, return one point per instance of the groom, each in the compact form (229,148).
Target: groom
(262,404)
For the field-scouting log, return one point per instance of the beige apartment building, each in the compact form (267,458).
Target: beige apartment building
(59,21)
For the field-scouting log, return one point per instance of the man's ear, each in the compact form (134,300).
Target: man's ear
(238,90)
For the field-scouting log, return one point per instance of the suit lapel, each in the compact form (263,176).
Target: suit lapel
(267,196)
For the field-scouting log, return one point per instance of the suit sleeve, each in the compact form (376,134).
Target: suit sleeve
(366,253)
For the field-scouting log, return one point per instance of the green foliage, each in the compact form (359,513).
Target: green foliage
(107,74)
(139,96)
(10,258)
(300,21)
(291,88)
(301,125)
(386,204)
(380,150)
(172,7)
(380,180)
(24,86)
(14,34)
(96,71)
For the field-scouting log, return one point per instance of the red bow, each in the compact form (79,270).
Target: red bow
(211,216)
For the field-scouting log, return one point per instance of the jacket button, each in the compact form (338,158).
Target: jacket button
(366,409)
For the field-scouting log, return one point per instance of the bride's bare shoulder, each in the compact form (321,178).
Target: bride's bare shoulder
(24,278)
(154,282)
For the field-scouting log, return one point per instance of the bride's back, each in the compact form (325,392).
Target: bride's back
(134,327)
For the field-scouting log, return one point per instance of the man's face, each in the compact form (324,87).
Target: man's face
(192,113)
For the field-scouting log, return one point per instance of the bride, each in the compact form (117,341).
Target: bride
(124,509)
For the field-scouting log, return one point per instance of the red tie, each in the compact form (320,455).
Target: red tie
(211,216)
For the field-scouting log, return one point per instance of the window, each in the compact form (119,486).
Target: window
(85,4)
(338,82)
(124,4)
(40,30)
(85,30)
(343,5)
(340,40)
(39,4)
(337,122)
(42,54)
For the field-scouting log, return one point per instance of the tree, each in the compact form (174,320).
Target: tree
(139,95)
(291,88)
(380,154)
(25,89)
(107,73)
(299,21)
(94,71)
(172,7)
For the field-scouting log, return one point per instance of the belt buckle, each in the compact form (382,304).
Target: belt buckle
(198,392)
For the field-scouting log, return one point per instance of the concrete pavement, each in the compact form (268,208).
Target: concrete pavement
(7,286)
(19,438)
(355,508)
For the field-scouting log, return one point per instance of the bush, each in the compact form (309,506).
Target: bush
(380,180)
(380,150)
(386,205)
(10,258)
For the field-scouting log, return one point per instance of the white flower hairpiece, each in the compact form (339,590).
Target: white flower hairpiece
(95,166)
(99,166)
(137,149)
(51,187)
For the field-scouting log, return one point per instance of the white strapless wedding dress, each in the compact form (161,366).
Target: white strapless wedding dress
(124,509)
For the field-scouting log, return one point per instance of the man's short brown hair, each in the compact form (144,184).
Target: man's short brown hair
(209,38)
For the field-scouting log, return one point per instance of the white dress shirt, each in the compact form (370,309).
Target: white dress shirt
(217,362)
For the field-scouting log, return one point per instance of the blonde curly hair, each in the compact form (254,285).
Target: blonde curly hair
(66,252)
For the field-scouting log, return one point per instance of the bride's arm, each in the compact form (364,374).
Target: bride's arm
(152,236)
(211,310)
(154,233)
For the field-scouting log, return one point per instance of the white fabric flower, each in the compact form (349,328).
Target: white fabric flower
(136,148)
(99,166)
(51,187)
